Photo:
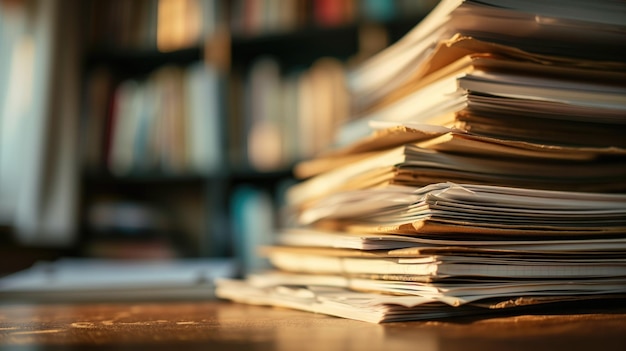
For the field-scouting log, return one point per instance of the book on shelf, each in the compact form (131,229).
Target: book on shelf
(166,25)
(252,18)
(480,170)
(169,122)
(288,115)
(252,224)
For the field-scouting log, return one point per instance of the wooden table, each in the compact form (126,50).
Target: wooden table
(215,325)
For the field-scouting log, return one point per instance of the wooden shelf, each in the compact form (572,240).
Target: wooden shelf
(147,178)
(301,47)
(141,61)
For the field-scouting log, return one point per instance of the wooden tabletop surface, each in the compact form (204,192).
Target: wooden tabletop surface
(216,325)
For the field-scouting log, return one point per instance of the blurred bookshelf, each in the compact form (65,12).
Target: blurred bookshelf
(185,102)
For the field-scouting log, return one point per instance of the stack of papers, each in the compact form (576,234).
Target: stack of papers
(78,279)
(401,253)
(483,169)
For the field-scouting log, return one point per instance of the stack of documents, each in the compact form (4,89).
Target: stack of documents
(483,169)
(77,279)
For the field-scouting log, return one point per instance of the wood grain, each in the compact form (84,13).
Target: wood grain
(214,325)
